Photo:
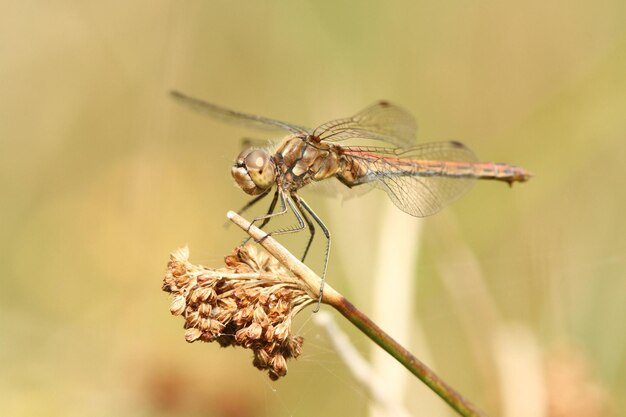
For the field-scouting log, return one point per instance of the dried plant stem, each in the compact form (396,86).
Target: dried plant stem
(360,320)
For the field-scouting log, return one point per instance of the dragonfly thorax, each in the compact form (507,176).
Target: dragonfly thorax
(254,171)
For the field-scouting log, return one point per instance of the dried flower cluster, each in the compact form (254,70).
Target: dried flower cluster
(251,303)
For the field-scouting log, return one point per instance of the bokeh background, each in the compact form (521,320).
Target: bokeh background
(517,298)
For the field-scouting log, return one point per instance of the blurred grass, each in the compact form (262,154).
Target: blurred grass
(103,176)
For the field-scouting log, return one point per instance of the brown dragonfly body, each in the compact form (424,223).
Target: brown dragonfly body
(302,161)
(419,179)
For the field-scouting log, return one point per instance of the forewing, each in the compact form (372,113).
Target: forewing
(395,171)
(235,117)
(381,121)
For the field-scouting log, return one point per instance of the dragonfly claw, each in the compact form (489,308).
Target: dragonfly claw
(263,238)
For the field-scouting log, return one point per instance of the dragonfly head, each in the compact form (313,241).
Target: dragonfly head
(254,171)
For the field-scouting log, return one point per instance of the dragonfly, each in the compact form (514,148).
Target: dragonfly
(419,179)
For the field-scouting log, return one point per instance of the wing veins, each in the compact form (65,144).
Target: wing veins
(236,117)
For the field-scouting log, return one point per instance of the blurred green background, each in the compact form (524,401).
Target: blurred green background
(520,294)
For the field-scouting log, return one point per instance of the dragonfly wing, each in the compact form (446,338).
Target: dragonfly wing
(394,171)
(381,121)
(424,196)
(333,188)
(235,117)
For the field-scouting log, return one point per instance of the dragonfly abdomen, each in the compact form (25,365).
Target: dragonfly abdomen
(501,172)
(480,170)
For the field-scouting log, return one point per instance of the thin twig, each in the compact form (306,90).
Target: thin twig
(360,320)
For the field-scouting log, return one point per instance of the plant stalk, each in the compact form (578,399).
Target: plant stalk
(333,298)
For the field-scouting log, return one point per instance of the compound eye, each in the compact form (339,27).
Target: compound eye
(256,160)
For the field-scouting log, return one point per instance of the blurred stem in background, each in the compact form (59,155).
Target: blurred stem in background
(394,299)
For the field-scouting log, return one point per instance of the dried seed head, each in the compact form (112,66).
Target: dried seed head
(261,359)
(250,303)
(259,316)
(192,334)
(279,365)
(205,325)
(205,309)
(178,305)
(282,330)
(192,319)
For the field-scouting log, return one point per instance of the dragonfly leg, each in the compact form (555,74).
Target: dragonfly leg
(270,212)
(250,204)
(284,208)
(327,234)
(254,201)
(296,199)
(296,204)
(297,213)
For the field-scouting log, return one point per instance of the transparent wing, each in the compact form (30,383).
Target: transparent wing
(333,188)
(406,177)
(232,116)
(381,121)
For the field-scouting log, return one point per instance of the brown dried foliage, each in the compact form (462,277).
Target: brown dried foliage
(250,302)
